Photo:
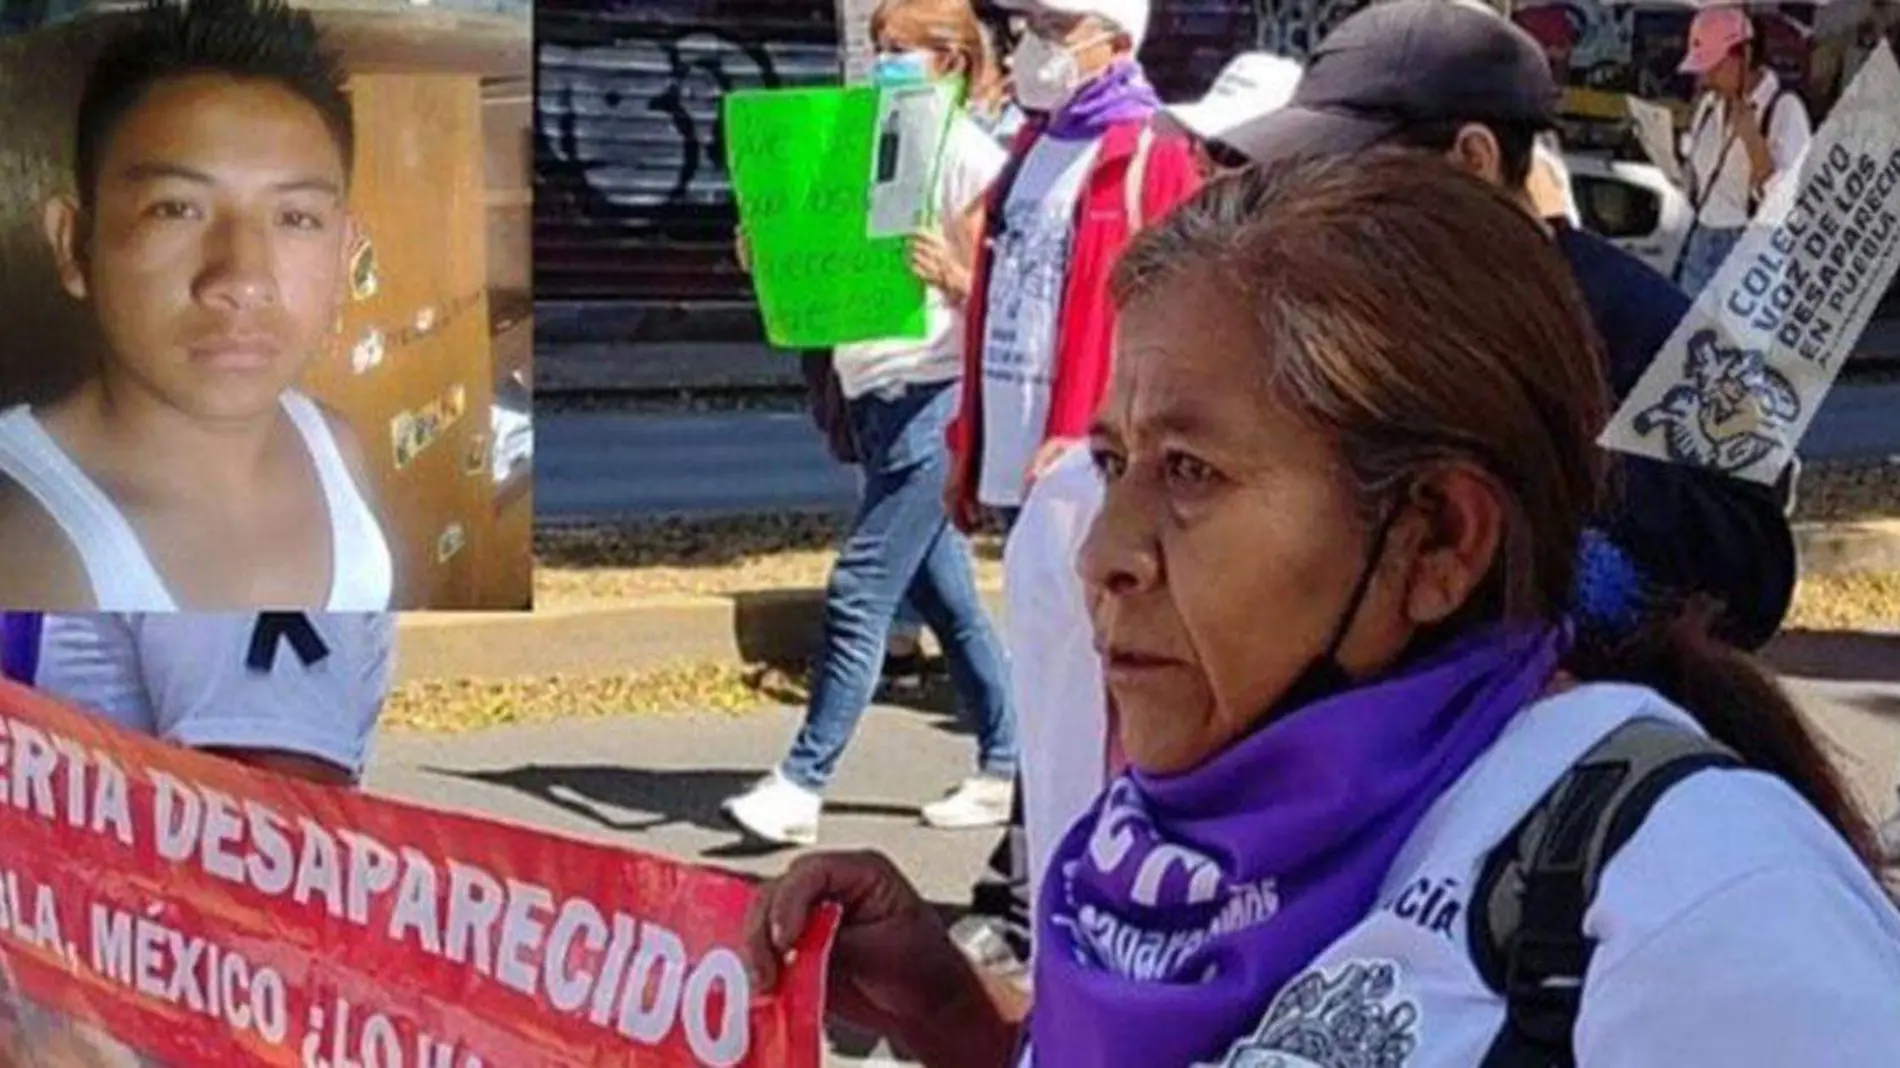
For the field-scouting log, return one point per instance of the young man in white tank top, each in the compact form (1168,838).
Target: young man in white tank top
(208,233)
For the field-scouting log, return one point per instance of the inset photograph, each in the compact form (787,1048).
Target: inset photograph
(264,268)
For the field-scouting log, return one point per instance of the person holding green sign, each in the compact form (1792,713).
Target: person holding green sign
(900,396)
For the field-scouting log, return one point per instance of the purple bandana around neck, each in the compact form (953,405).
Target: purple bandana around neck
(1120,94)
(1178,906)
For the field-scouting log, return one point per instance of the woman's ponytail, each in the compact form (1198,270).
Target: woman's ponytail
(1735,699)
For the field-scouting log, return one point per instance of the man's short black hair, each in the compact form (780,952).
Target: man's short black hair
(1516,140)
(253,39)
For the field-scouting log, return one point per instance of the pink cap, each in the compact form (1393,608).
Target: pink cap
(1713,35)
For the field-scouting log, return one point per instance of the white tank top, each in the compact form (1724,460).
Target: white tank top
(122,576)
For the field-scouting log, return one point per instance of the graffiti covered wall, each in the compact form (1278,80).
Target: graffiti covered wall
(631,194)
(632,203)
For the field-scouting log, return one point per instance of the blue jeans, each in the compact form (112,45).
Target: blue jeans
(907,624)
(1703,256)
(908,621)
(901,540)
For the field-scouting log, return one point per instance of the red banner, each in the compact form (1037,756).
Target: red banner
(201,913)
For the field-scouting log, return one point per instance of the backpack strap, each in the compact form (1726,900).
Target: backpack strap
(1782,93)
(1704,111)
(830,412)
(1527,936)
(1767,127)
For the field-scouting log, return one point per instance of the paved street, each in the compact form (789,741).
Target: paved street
(656,783)
(614,465)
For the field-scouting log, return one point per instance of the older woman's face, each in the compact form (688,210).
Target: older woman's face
(1228,543)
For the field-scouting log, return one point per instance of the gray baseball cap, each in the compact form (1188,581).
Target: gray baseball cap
(1403,63)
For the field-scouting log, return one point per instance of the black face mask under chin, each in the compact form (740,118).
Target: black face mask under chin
(1323,676)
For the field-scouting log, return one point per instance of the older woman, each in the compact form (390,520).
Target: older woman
(1348,449)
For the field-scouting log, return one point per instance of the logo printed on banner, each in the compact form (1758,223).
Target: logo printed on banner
(1737,384)
(1730,414)
(1349,1016)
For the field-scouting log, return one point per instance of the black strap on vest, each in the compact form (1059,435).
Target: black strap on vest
(1526,931)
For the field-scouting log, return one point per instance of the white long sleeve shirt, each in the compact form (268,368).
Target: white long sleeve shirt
(1717,164)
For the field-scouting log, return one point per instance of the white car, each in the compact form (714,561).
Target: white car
(1632,205)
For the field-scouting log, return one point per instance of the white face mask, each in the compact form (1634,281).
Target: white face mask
(1045,74)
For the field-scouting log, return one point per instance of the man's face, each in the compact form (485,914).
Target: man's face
(219,230)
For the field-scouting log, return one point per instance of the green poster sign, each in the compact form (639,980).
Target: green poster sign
(801,162)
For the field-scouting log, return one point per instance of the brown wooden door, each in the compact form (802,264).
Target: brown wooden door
(421,403)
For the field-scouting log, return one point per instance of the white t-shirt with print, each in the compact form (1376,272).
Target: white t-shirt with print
(1733,930)
(971,161)
(1724,192)
(1029,271)
(184,678)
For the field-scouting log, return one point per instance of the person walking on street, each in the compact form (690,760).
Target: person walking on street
(900,397)
(905,669)
(1747,135)
(1092,166)
(1068,741)
(1086,172)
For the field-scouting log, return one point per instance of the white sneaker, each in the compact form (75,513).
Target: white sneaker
(777,810)
(980,801)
